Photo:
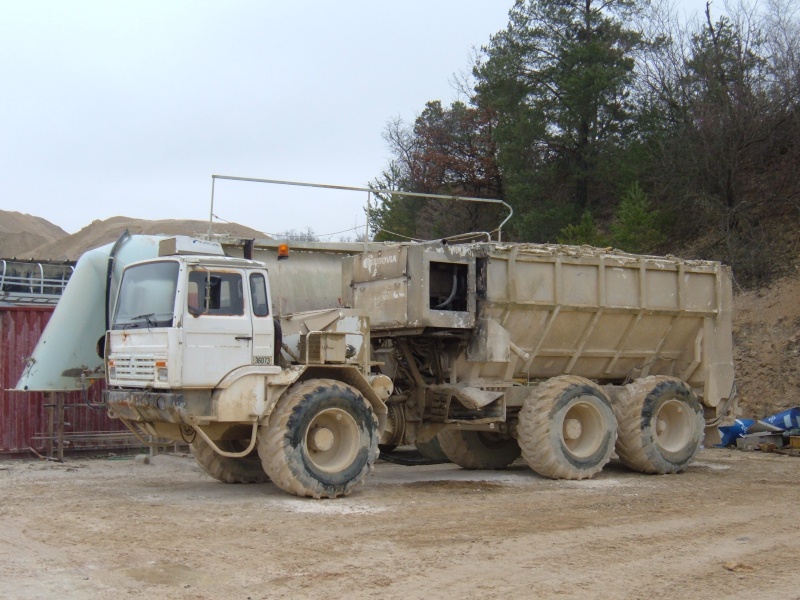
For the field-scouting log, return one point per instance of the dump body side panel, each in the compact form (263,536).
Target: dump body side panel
(601,316)
(539,311)
(608,317)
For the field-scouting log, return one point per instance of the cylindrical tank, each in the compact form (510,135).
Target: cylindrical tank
(68,344)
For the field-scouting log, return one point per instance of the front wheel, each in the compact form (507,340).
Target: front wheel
(247,469)
(321,440)
(567,429)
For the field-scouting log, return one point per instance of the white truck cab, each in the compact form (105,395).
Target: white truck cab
(188,321)
(193,353)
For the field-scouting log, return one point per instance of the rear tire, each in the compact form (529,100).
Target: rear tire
(432,449)
(661,425)
(567,429)
(321,440)
(247,469)
(478,449)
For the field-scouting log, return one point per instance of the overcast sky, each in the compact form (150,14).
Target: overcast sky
(128,107)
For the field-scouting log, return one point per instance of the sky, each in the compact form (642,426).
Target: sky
(129,107)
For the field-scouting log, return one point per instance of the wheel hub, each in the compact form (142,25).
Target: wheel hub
(572,429)
(673,425)
(332,440)
(321,439)
(583,428)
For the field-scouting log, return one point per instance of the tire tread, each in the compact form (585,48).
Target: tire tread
(535,428)
(279,458)
(634,445)
(225,468)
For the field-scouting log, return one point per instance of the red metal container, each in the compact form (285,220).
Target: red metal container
(25,416)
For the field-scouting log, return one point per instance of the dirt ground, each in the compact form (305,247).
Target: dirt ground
(766,334)
(118,528)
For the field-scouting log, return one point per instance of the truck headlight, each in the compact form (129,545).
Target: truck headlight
(112,372)
(163,374)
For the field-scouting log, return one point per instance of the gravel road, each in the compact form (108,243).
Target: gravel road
(118,528)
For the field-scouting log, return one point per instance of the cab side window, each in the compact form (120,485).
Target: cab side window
(215,293)
(258,293)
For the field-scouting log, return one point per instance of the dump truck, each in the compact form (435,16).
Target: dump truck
(558,355)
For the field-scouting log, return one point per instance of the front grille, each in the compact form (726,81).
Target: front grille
(137,368)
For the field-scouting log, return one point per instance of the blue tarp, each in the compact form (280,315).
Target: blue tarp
(782,421)
(729,433)
(788,419)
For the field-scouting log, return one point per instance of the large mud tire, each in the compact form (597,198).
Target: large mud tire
(321,440)
(226,469)
(660,425)
(432,449)
(478,449)
(567,429)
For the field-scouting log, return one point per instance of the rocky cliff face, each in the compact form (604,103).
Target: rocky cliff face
(766,336)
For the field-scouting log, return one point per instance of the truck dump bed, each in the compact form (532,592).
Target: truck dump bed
(538,311)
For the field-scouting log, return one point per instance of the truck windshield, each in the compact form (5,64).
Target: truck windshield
(147,296)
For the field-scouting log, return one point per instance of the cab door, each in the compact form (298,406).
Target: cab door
(263,325)
(218,331)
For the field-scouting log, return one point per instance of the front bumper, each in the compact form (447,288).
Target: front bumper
(148,407)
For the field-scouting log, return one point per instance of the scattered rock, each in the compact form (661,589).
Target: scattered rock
(736,566)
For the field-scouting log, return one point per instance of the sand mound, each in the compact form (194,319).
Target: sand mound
(20,233)
(99,233)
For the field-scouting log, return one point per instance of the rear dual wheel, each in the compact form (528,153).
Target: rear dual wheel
(661,425)
(567,428)
(431,449)
(478,449)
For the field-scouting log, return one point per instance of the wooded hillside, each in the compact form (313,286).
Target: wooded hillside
(617,123)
